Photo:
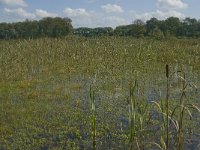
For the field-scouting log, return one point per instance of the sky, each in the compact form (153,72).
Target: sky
(98,13)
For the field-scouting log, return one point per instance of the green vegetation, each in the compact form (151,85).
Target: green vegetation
(46,99)
(93,119)
(59,27)
(46,27)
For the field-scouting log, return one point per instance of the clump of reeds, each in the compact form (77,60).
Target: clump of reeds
(132,116)
(182,108)
(167,107)
(176,116)
(163,109)
(93,119)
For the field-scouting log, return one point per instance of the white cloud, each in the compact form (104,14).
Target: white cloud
(114,21)
(94,22)
(43,13)
(166,9)
(19,12)
(14,2)
(86,18)
(171,4)
(112,8)
(159,15)
(76,12)
(97,20)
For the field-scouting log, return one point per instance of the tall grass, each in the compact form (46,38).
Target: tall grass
(44,93)
(182,108)
(170,117)
(167,108)
(93,119)
(132,115)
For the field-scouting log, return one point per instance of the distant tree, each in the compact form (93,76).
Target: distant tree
(171,25)
(152,24)
(102,31)
(138,22)
(156,33)
(138,29)
(55,27)
(190,26)
(190,21)
(91,32)
(26,29)
(123,30)
(83,31)
(7,31)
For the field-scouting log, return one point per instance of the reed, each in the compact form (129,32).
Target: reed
(167,108)
(44,93)
(93,119)
(182,108)
(132,115)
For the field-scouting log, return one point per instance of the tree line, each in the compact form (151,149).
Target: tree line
(154,28)
(57,27)
(51,27)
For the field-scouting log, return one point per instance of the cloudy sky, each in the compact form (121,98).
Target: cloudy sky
(97,13)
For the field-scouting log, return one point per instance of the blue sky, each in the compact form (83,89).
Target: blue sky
(97,13)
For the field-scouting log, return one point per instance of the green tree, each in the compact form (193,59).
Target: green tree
(157,34)
(83,31)
(55,27)
(152,24)
(124,30)
(138,29)
(171,25)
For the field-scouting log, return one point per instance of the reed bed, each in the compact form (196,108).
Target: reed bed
(135,102)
